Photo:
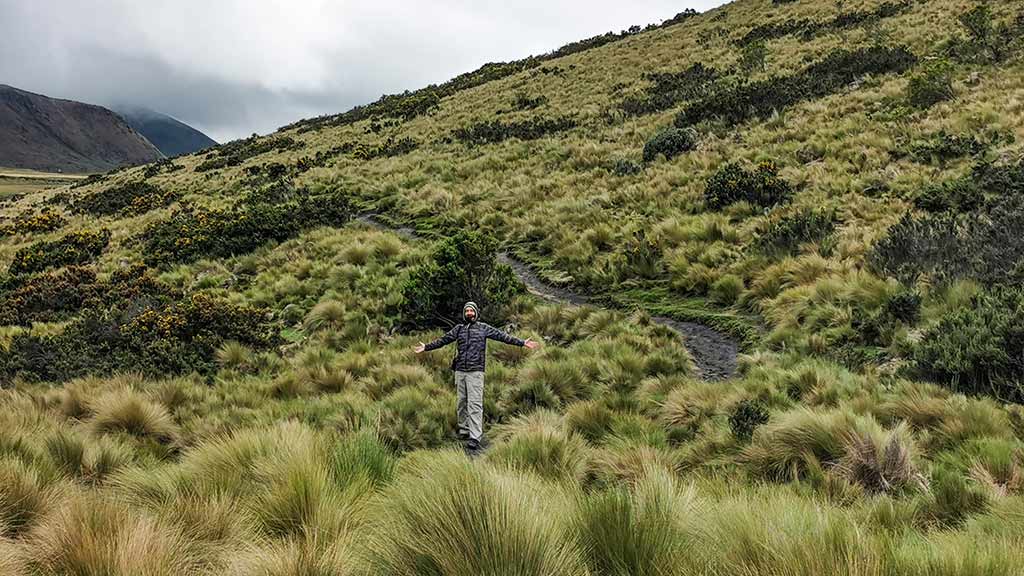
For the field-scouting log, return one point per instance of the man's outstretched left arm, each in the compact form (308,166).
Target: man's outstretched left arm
(501,336)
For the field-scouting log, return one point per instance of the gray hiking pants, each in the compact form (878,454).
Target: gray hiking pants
(469,387)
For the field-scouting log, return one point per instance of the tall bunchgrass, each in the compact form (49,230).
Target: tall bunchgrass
(446,515)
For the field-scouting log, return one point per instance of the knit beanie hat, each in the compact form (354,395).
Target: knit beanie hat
(468,306)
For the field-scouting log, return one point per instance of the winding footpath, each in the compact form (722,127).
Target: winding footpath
(713,352)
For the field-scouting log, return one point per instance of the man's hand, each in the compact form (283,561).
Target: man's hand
(420,348)
(531,344)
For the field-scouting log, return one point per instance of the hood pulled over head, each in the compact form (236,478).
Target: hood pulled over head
(476,312)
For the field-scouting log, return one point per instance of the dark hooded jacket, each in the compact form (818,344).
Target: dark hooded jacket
(472,336)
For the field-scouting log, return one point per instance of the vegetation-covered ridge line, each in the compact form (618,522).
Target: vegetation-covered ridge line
(713,351)
(408,105)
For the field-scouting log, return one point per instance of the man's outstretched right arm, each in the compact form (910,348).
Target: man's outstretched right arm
(445,340)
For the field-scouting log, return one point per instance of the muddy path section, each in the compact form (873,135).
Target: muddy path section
(713,352)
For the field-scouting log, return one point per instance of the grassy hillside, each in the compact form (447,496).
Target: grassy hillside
(207,362)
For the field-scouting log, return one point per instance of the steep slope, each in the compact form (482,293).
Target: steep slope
(217,351)
(49,134)
(172,137)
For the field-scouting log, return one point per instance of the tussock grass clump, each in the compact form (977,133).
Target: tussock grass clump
(784,448)
(363,456)
(24,497)
(89,534)
(537,443)
(410,418)
(133,413)
(445,515)
(641,529)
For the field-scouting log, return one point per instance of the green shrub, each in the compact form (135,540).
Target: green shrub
(71,249)
(32,222)
(753,57)
(154,336)
(979,349)
(734,104)
(127,199)
(947,247)
(669,143)
(931,86)
(746,417)
(165,166)
(943,146)
(961,195)
(523,101)
(760,187)
(494,131)
(191,233)
(808,29)
(786,234)
(388,149)
(238,151)
(46,297)
(669,88)
(625,167)
(462,267)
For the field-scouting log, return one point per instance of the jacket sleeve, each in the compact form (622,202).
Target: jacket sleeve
(495,334)
(445,340)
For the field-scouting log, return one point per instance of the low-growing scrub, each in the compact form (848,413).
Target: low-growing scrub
(932,85)
(734,104)
(669,143)
(32,222)
(808,29)
(388,149)
(786,234)
(71,249)
(668,89)
(494,131)
(761,187)
(191,232)
(968,233)
(979,349)
(238,151)
(128,199)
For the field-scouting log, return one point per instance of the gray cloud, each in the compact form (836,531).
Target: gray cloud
(233,67)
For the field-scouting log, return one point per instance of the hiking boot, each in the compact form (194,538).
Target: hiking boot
(473,445)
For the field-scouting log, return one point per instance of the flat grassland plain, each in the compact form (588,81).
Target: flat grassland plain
(15,181)
(207,362)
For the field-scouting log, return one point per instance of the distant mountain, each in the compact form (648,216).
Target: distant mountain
(170,136)
(52,135)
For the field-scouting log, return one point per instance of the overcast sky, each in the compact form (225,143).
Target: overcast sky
(234,67)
